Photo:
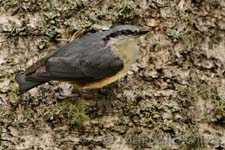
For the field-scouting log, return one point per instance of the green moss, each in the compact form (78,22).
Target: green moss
(13,97)
(68,6)
(218,114)
(173,33)
(53,32)
(76,114)
(70,111)
(9,4)
(1,136)
(120,129)
(194,142)
(41,45)
(78,23)
(123,10)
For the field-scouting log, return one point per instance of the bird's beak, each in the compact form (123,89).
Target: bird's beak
(141,33)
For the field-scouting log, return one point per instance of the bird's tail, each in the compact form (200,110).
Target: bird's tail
(25,85)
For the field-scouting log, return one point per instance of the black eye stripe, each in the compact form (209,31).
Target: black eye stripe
(124,32)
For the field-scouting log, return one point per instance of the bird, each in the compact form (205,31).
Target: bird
(90,62)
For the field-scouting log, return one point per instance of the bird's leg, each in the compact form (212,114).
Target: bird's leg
(106,96)
(75,91)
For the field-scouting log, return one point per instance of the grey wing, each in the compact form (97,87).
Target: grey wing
(101,64)
(86,68)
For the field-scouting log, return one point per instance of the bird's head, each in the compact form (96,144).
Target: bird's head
(121,32)
(124,39)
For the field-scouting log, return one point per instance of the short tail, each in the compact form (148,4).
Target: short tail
(25,85)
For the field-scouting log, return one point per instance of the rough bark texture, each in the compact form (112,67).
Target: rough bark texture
(173,98)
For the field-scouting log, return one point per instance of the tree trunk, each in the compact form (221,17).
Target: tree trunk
(173,98)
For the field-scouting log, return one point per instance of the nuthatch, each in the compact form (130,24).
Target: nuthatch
(91,62)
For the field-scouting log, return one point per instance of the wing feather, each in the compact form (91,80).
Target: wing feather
(78,61)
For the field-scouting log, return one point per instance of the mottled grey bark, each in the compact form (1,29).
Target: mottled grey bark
(173,98)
